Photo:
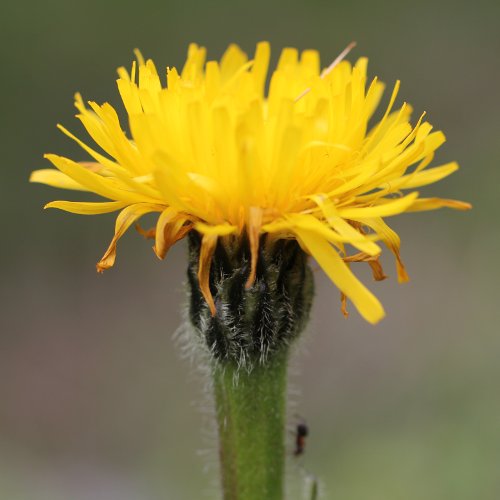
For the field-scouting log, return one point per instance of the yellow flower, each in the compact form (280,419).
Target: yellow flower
(212,152)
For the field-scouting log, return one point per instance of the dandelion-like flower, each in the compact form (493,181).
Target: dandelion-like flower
(210,152)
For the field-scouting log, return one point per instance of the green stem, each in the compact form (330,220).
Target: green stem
(250,411)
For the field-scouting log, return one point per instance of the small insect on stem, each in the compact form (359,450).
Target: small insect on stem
(301,433)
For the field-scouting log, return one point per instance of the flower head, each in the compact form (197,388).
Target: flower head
(211,152)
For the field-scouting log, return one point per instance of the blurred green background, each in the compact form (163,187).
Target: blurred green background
(95,400)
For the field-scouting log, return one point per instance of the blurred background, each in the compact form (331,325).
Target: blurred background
(95,400)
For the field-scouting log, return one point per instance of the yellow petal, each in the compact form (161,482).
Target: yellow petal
(112,167)
(232,60)
(278,227)
(369,168)
(171,234)
(373,97)
(130,95)
(345,229)
(55,178)
(311,223)
(254,224)
(212,80)
(166,217)
(433,203)
(216,230)
(426,177)
(392,241)
(87,208)
(383,133)
(170,228)
(94,182)
(208,245)
(384,209)
(393,183)
(260,65)
(367,304)
(379,128)
(94,126)
(124,220)
(139,57)
(97,156)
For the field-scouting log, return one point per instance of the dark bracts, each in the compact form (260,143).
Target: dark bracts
(251,325)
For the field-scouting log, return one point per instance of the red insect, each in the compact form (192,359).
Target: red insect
(301,433)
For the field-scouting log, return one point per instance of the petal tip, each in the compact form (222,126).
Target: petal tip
(100,268)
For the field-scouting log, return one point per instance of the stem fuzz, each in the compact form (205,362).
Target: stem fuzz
(250,410)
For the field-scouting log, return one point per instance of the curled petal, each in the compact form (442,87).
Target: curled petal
(124,220)
(148,234)
(392,240)
(171,227)
(373,261)
(208,244)
(377,269)
(343,305)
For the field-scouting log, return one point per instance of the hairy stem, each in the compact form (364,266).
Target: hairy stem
(250,409)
